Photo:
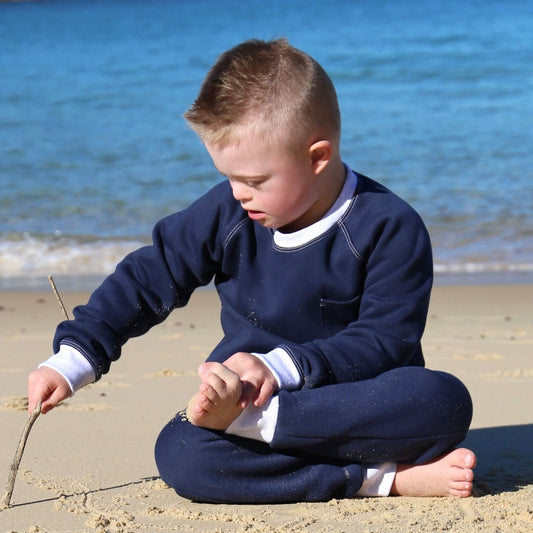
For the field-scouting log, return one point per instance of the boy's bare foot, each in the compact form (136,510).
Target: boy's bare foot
(216,404)
(450,474)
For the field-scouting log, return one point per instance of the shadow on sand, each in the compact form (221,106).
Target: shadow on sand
(505,458)
(86,493)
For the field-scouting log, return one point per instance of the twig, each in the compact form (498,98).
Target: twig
(6,500)
(54,288)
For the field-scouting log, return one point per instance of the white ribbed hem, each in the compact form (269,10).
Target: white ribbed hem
(257,423)
(280,363)
(378,479)
(72,365)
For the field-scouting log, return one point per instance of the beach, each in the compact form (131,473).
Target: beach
(435,105)
(89,466)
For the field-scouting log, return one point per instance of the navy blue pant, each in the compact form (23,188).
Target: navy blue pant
(323,437)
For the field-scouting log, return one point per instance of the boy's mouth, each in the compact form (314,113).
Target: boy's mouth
(255,215)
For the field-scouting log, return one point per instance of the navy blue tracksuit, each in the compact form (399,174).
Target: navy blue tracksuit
(348,306)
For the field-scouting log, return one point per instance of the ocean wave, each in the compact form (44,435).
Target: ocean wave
(31,257)
(468,267)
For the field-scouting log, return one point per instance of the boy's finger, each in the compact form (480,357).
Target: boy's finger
(218,369)
(249,392)
(264,393)
(224,382)
(32,404)
(209,392)
(34,396)
(57,396)
(47,406)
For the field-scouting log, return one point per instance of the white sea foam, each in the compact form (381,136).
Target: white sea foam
(26,262)
(481,267)
(34,258)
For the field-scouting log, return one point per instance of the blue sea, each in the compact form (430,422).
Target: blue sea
(436,99)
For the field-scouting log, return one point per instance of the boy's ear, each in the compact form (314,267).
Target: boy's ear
(320,153)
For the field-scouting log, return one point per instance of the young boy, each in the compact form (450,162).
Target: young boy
(318,389)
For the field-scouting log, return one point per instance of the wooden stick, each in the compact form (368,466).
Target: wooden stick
(6,500)
(51,279)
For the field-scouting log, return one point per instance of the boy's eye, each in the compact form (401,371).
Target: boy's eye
(254,183)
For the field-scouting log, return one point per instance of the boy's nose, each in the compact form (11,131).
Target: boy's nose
(241,192)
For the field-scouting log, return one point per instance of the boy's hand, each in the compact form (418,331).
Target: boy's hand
(49,386)
(258,382)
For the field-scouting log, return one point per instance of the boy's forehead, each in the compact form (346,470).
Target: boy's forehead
(246,159)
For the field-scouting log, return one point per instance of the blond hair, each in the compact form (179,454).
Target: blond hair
(266,87)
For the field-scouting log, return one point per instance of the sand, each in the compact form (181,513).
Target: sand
(88,465)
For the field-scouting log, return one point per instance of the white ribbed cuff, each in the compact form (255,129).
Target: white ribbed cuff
(72,365)
(378,479)
(257,423)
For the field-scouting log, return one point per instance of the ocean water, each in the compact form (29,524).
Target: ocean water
(436,99)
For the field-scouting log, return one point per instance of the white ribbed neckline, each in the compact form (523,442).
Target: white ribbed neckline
(337,210)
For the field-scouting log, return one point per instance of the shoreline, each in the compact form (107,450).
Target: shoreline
(89,464)
(91,282)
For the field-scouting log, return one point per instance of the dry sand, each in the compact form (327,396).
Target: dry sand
(89,464)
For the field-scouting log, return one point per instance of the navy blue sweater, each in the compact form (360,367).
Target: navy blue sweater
(346,306)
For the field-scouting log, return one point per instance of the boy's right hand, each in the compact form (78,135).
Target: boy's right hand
(49,386)
(258,382)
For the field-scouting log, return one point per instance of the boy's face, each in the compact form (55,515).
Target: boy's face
(279,188)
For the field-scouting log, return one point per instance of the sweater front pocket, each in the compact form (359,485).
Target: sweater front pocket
(337,314)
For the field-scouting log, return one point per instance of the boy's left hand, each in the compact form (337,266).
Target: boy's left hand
(258,382)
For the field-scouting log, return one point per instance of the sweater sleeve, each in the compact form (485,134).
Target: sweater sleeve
(391,310)
(149,283)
